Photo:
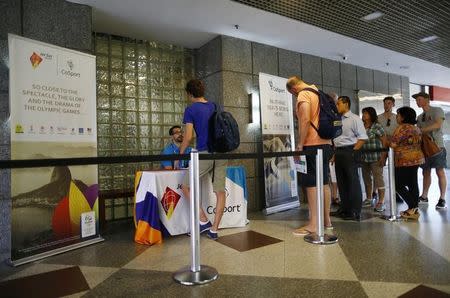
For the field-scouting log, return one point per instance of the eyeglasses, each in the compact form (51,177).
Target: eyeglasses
(388,123)
(424,117)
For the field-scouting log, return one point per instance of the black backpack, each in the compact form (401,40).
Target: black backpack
(330,121)
(223,131)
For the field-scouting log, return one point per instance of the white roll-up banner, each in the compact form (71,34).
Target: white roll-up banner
(53,115)
(277,128)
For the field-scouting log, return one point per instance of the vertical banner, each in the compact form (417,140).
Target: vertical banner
(53,115)
(277,128)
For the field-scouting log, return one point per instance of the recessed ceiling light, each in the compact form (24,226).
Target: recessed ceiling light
(373,16)
(428,38)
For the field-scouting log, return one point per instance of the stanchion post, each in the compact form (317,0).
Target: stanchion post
(194,216)
(195,274)
(393,216)
(320,237)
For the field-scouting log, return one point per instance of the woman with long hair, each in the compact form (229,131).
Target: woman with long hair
(406,142)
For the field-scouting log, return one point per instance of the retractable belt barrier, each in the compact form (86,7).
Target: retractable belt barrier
(196,273)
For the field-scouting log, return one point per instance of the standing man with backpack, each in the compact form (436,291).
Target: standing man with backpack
(347,157)
(308,110)
(197,118)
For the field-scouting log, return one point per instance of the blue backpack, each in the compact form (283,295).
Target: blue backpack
(330,121)
(223,131)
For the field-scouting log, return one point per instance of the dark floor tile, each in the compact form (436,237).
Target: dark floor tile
(383,252)
(51,284)
(132,283)
(247,240)
(117,250)
(105,254)
(424,291)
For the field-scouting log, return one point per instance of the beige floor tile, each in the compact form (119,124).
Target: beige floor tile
(306,260)
(433,235)
(96,275)
(386,289)
(36,268)
(263,261)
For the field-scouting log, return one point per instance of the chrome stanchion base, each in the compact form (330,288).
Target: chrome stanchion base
(187,277)
(326,239)
(392,218)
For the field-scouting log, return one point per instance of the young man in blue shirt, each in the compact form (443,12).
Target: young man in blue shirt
(196,118)
(174,148)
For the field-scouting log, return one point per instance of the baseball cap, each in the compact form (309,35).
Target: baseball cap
(423,94)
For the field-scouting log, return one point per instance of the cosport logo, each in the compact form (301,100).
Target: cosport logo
(275,88)
(229,209)
(69,72)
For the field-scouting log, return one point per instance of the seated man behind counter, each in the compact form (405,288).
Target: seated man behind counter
(174,148)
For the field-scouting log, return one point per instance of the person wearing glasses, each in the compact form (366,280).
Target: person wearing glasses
(174,148)
(388,119)
(346,158)
(430,122)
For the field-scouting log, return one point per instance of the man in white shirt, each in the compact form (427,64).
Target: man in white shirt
(346,160)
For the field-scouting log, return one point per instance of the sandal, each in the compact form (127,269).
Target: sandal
(301,232)
(415,215)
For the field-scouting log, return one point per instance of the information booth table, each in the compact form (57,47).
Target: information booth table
(159,203)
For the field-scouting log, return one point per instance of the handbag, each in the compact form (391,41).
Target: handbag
(429,147)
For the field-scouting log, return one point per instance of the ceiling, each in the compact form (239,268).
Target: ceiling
(400,29)
(192,23)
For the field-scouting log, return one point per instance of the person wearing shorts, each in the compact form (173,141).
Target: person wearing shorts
(196,118)
(430,122)
(309,141)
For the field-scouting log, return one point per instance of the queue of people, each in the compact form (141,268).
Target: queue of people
(370,134)
(359,145)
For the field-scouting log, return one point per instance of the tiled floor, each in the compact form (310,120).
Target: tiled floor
(373,258)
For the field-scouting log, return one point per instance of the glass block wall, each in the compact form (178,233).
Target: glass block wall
(140,95)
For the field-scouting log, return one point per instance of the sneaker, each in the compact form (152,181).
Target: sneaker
(441,204)
(212,235)
(380,208)
(367,203)
(205,227)
(423,200)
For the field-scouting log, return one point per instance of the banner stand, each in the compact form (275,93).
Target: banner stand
(279,208)
(52,102)
(55,252)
